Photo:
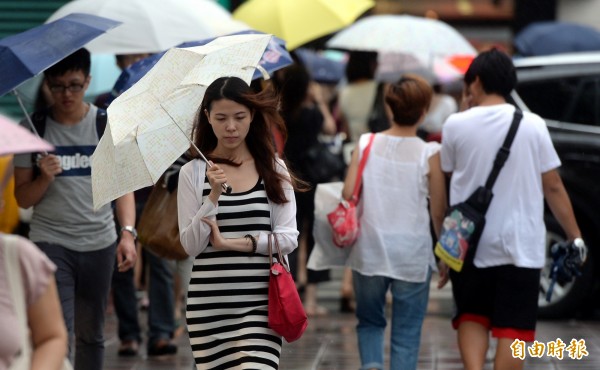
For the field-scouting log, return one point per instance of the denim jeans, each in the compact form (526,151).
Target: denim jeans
(161,319)
(83,281)
(408,312)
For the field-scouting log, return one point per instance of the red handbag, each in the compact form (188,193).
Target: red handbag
(344,218)
(286,313)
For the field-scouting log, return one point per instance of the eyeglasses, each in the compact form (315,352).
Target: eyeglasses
(74,88)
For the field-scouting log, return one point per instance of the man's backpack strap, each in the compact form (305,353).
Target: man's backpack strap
(101,119)
(38,119)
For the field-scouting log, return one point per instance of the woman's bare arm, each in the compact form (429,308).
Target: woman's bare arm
(48,331)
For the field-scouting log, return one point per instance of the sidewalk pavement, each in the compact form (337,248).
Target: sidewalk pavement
(330,342)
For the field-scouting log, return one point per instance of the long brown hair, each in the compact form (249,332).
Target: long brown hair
(263,105)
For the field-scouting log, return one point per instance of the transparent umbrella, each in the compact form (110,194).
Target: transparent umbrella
(421,38)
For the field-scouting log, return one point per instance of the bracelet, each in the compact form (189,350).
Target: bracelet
(253,241)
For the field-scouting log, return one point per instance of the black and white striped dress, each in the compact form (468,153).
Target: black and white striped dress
(227,297)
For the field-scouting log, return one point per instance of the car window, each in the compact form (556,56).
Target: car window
(572,99)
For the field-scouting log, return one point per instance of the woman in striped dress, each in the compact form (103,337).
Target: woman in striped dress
(227,233)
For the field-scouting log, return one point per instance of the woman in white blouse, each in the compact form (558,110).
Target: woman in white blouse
(394,250)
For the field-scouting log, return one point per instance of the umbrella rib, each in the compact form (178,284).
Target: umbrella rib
(27,116)
(226,187)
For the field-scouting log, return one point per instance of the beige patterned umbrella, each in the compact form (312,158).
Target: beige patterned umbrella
(149,125)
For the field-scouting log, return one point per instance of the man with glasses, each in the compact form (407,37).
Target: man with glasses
(80,241)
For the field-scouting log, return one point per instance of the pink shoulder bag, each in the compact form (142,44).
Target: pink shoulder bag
(344,218)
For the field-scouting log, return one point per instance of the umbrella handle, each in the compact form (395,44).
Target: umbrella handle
(228,189)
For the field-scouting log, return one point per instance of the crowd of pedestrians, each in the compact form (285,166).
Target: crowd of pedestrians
(76,255)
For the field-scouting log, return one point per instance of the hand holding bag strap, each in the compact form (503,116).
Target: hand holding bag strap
(282,260)
(504,150)
(15,284)
(361,168)
(279,256)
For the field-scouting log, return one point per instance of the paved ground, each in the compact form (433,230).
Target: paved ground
(330,342)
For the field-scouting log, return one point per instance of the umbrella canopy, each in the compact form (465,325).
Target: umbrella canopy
(391,66)
(423,38)
(151,26)
(321,68)
(275,57)
(15,139)
(26,54)
(300,21)
(546,38)
(149,125)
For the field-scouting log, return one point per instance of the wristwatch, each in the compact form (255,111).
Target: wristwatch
(131,229)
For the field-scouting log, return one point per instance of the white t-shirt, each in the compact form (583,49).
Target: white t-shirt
(514,232)
(395,239)
(442,106)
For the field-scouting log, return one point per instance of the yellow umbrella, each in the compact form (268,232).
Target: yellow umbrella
(300,21)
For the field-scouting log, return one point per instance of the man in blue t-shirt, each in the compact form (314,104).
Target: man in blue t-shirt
(80,241)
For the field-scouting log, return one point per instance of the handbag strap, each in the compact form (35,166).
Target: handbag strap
(280,258)
(504,150)
(361,168)
(15,284)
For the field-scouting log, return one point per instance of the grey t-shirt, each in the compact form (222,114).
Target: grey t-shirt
(65,214)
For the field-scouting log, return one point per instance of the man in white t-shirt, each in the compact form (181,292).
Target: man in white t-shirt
(497,292)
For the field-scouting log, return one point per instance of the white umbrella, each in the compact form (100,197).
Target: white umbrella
(151,26)
(423,38)
(149,125)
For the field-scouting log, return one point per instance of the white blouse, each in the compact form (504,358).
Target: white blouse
(192,208)
(395,239)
